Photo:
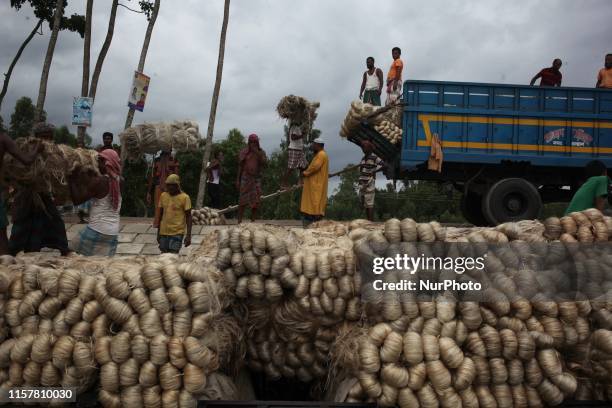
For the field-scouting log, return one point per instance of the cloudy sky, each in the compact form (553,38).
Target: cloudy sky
(314,48)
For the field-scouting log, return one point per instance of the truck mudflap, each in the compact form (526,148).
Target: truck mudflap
(384,149)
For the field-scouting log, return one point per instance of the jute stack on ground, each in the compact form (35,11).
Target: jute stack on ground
(207,216)
(150,138)
(50,170)
(297,287)
(53,319)
(525,341)
(299,111)
(171,333)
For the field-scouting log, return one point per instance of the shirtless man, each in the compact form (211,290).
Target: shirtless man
(7,145)
(252,161)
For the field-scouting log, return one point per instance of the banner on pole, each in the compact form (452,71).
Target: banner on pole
(138,91)
(81,111)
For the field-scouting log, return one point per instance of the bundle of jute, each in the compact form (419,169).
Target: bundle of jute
(335,228)
(50,170)
(153,371)
(150,138)
(586,227)
(390,131)
(207,216)
(299,111)
(358,112)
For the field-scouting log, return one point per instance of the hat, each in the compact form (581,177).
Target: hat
(253,138)
(319,140)
(173,179)
(42,127)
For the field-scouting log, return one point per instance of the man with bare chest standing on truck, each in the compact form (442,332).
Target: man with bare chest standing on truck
(7,145)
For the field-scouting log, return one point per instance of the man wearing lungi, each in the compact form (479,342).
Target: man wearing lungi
(296,158)
(252,160)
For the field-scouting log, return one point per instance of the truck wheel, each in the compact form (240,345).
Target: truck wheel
(471,208)
(511,199)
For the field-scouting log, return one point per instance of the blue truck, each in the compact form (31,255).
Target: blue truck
(507,148)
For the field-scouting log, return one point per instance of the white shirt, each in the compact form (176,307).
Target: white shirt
(296,144)
(103,218)
(372,81)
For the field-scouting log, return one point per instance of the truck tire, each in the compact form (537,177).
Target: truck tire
(511,199)
(471,209)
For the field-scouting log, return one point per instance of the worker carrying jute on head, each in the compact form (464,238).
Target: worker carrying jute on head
(314,194)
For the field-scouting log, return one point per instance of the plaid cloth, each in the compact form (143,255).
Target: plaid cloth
(366,196)
(170,243)
(93,243)
(296,159)
(37,224)
(250,191)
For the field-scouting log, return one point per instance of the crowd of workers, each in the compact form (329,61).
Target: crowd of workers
(38,224)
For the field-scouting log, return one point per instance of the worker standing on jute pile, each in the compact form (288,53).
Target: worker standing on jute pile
(314,194)
(163,166)
(372,84)
(369,166)
(175,214)
(296,158)
(593,193)
(394,77)
(7,145)
(36,222)
(100,237)
(252,160)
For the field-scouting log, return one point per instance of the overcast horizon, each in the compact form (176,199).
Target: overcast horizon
(316,49)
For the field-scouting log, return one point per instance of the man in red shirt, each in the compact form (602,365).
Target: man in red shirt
(550,76)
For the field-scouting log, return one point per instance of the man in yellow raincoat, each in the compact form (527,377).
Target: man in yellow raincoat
(314,195)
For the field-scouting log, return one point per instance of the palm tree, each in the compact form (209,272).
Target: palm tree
(143,55)
(213,108)
(44,78)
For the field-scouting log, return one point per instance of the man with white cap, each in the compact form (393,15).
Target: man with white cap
(314,194)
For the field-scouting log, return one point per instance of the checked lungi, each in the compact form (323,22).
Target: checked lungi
(250,191)
(296,159)
(93,243)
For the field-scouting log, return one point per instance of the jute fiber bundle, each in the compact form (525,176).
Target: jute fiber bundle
(299,111)
(50,170)
(207,216)
(357,113)
(390,131)
(150,138)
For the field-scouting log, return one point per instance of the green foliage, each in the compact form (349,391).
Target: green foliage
(230,147)
(344,202)
(22,118)
(189,171)
(147,7)
(134,189)
(44,9)
(62,135)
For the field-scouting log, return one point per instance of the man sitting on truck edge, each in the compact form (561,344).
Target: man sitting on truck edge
(593,193)
(604,78)
(369,166)
(394,78)
(372,84)
(550,76)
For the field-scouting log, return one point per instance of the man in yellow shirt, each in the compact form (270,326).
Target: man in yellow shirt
(604,79)
(314,194)
(175,214)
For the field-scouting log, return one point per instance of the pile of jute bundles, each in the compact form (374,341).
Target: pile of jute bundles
(51,318)
(297,288)
(207,216)
(525,340)
(50,170)
(154,332)
(298,110)
(150,138)
(386,121)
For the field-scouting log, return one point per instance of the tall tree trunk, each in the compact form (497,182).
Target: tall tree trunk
(213,108)
(143,55)
(44,78)
(107,43)
(7,76)
(86,61)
